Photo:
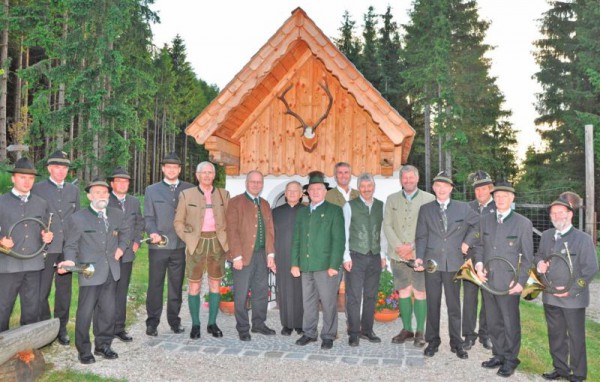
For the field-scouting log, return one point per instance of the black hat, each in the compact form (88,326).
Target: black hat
(59,157)
(97,182)
(568,199)
(504,185)
(119,172)
(171,158)
(443,177)
(480,178)
(24,166)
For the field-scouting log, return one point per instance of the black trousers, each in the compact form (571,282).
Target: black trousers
(97,303)
(27,286)
(504,326)
(62,291)
(169,262)
(253,278)
(469,313)
(566,337)
(362,283)
(434,282)
(121,296)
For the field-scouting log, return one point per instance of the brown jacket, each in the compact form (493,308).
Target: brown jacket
(242,217)
(190,215)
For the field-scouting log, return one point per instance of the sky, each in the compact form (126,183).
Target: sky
(221,37)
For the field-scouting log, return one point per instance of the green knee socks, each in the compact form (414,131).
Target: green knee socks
(194,304)
(213,307)
(420,314)
(406,309)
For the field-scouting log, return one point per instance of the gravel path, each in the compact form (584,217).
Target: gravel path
(171,357)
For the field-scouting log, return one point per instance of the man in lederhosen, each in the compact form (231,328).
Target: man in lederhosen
(506,234)
(565,312)
(96,235)
(130,205)
(160,202)
(63,200)
(200,222)
(483,205)
(21,276)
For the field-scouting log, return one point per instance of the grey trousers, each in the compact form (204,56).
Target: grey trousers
(362,284)
(434,283)
(318,286)
(504,326)
(566,338)
(253,278)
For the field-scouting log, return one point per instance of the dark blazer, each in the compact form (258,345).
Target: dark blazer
(445,247)
(134,220)
(585,266)
(159,212)
(319,238)
(62,204)
(189,216)
(242,217)
(509,239)
(88,241)
(27,237)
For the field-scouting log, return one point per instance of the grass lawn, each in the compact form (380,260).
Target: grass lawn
(137,297)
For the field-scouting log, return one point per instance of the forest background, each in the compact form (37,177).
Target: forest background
(85,77)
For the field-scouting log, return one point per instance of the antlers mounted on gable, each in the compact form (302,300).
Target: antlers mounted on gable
(309,138)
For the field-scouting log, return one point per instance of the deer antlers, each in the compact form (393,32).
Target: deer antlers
(308,131)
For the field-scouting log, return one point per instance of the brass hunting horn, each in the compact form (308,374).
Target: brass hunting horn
(430,265)
(86,269)
(468,272)
(42,249)
(539,282)
(164,241)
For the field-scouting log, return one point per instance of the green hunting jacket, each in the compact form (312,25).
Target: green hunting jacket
(319,238)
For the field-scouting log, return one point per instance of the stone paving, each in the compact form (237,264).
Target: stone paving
(284,347)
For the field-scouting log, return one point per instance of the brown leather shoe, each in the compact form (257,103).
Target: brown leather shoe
(402,337)
(419,340)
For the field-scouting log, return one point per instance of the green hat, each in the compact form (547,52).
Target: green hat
(504,185)
(171,158)
(119,172)
(316,177)
(97,182)
(568,199)
(481,178)
(24,166)
(59,157)
(444,178)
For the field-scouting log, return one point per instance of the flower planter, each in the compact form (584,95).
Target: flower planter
(227,307)
(386,315)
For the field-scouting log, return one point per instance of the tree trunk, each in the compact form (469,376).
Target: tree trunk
(60,132)
(4,67)
(18,85)
(427,136)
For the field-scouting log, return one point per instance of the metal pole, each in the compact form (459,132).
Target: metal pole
(589,181)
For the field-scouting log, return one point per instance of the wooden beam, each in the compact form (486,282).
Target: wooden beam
(214,143)
(223,159)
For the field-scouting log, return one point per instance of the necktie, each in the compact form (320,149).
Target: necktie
(444,217)
(499,218)
(172,187)
(557,236)
(102,216)
(481,207)
(122,204)
(261,225)
(23,198)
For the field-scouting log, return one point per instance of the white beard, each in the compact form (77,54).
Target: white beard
(560,224)
(100,204)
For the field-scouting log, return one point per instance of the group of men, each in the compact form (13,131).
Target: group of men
(193,229)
